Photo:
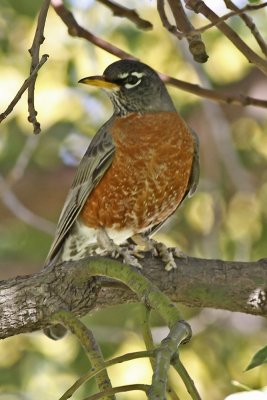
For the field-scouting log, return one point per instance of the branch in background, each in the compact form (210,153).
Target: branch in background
(34,52)
(199,7)
(196,45)
(14,205)
(77,30)
(18,170)
(222,137)
(23,88)
(238,11)
(249,22)
(165,22)
(121,11)
(11,201)
(183,28)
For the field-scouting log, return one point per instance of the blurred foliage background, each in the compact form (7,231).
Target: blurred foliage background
(226,219)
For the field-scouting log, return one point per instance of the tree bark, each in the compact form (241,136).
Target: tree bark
(27,303)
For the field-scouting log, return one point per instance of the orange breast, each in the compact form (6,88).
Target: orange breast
(148,176)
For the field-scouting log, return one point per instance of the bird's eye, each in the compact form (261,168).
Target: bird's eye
(132,81)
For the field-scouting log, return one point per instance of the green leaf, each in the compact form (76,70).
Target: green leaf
(259,358)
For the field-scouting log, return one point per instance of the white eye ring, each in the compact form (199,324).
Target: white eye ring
(131,85)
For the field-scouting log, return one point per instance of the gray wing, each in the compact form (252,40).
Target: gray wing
(194,176)
(192,182)
(93,166)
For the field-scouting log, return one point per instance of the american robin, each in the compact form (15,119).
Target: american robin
(137,170)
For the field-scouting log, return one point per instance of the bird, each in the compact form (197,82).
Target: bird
(139,167)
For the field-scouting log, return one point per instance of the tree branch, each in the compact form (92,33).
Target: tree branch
(27,303)
(196,45)
(237,12)
(121,11)
(249,21)
(198,6)
(34,52)
(76,30)
(215,95)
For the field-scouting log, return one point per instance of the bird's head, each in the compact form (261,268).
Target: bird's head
(132,87)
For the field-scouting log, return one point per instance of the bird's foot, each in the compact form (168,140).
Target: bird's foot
(166,254)
(128,254)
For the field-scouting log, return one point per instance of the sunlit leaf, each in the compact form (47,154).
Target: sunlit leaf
(258,359)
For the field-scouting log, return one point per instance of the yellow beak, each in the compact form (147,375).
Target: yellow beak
(99,81)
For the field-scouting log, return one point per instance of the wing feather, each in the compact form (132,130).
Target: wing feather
(93,166)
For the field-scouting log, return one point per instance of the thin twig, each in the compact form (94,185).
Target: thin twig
(249,21)
(121,11)
(215,95)
(239,11)
(34,52)
(23,88)
(183,26)
(188,381)
(93,372)
(180,35)
(146,331)
(166,23)
(77,30)
(119,389)
(20,211)
(200,7)
(196,45)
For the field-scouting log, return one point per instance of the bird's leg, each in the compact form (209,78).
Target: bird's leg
(159,249)
(111,248)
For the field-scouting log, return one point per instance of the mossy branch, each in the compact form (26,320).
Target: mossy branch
(27,303)
(91,348)
(148,294)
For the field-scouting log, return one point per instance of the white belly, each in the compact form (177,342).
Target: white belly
(83,242)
